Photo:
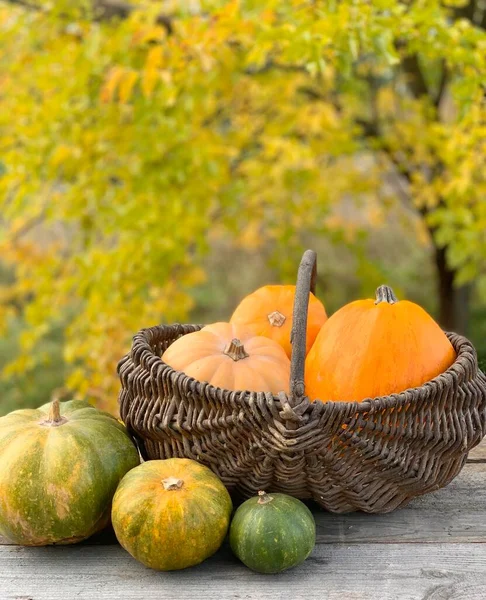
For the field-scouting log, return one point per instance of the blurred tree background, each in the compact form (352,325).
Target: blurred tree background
(159,160)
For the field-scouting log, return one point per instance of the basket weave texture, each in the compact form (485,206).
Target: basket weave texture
(374,455)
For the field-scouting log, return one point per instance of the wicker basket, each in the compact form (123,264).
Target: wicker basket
(373,456)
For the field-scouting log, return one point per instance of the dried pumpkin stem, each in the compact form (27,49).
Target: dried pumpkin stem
(235,350)
(385,294)
(264,498)
(54,418)
(55,411)
(172,483)
(276,318)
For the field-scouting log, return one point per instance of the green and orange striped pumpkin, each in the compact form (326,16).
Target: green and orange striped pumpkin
(59,469)
(171,514)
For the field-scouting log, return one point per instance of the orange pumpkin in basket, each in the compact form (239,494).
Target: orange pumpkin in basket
(232,357)
(268,312)
(373,348)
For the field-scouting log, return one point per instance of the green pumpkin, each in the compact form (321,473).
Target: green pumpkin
(59,468)
(171,514)
(271,533)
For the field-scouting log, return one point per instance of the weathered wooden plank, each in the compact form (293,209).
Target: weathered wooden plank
(453,514)
(333,572)
(456,513)
(479,453)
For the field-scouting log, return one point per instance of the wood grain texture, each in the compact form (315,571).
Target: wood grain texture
(456,513)
(478,454)
(334,571)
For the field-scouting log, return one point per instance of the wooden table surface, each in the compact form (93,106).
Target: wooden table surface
(434,549)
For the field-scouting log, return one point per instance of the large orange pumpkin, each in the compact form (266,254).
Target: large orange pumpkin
(372,348)
(231,357)
(268,312)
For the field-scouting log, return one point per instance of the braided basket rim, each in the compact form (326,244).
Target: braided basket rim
(464,369)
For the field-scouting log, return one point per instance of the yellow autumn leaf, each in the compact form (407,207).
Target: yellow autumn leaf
(112,81)
(230,10)
(149,79)
(149,34)
(60,155)
(126,86)
(151,73)
(155,57)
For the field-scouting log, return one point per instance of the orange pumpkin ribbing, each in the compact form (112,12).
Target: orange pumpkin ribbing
(268,312)
(231,357)
(373,348)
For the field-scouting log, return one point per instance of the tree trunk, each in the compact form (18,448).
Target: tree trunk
(453,301)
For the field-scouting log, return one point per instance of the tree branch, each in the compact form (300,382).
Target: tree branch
(24,4)
(271,64)
(467,11)
(473,11)
(104,10)
(401,171)
(28,226)
(109,9)
(415,79)
(442,86)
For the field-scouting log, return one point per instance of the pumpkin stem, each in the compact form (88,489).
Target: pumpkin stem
(264,498)
(55,411)
(235,350)
(172,483)
(385,294)
(54,418)
(276,318)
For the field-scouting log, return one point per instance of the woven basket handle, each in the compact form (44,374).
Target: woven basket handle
(306,283)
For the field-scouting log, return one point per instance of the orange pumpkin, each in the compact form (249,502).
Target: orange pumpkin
(373,348)
(268,312)
(231,357)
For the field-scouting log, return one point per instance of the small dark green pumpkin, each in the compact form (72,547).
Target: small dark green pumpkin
(59,468)
(272,532)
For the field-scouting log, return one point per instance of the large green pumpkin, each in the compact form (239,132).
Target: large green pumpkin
(171,514)
(271,533)
(59,469)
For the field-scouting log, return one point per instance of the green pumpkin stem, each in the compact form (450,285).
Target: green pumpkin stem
(385,294)
(235,350)
(264,498)
(276,318)
(172,483)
